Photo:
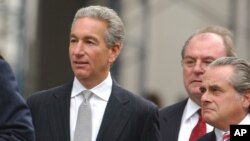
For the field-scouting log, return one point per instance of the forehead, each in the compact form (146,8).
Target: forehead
(205,45)
(88,23)
(218,75)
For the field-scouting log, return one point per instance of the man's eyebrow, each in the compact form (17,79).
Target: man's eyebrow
(188,57)
(209,57)
(72,35)
(214,87)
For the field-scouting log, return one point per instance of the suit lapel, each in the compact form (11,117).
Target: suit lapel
(208,137)
(116,115)
(172,121)
(176,120)
(58,113)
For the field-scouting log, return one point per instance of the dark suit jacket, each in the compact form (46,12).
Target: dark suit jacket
(208,137)
(15,118)
(170,121)
(127,117)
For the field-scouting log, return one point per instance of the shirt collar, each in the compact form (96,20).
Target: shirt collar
(190,109)
(246,120)
(219,134)
(102,90)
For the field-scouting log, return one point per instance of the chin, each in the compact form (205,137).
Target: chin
(207,118)
(208,115)
(81,75)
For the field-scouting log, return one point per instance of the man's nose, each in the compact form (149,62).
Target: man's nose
(199,67)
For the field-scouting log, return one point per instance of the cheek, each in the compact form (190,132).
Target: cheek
(186,71)
(100,58)
(70,55)
(226,105)
(186,75)
(71,50)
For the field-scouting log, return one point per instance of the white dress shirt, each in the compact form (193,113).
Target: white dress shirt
(219,133)
(190,118)
(98,102)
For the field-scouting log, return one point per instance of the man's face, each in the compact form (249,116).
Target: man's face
(221,104)
(200,51)
(90,57)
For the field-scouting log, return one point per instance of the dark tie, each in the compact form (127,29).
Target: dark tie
(84,119)
(226,136)
(199,129)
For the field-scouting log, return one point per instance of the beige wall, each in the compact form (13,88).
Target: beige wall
(169,25)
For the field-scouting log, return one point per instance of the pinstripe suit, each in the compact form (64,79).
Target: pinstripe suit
(127,117)
(170,121)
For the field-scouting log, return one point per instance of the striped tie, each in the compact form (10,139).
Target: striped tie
(226,136)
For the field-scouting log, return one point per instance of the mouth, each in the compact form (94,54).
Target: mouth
(80,63)
(196,81)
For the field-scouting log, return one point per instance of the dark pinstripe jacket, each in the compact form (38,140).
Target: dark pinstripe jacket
(127,117)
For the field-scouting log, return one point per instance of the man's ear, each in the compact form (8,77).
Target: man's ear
(246,100)
(114,53)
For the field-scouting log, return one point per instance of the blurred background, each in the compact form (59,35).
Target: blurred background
(34,38)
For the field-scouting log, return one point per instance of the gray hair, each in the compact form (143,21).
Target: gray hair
(115,31)
(224,33)
(240,79)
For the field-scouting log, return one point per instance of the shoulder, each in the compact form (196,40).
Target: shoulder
(5,67)
(5,71)
(44,96)
(175,107)
(173,111)
(9,86)
(135,100)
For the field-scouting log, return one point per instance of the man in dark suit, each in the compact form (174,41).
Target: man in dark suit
(15,118)
(177,121)
(225,96)
(117,115)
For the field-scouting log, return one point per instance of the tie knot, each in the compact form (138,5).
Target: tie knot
(199,112)
(200,115)
(86,96)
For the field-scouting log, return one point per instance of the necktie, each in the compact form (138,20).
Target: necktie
(226,136)
(84,119)
(199,129)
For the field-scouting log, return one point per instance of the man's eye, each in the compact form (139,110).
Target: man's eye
(189,62)
(208,61)
(214,89)
(89,42)
(73,40)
